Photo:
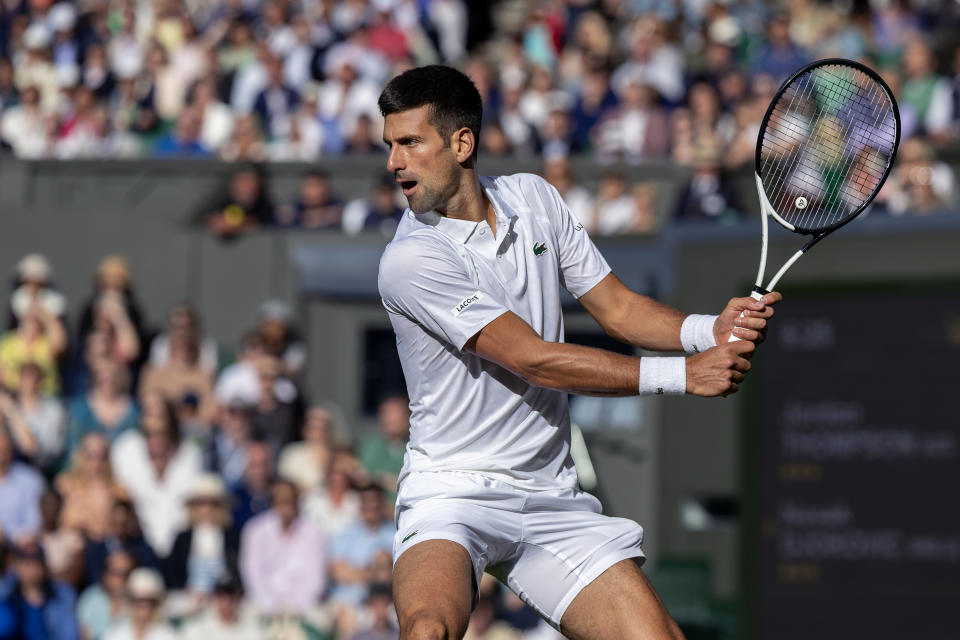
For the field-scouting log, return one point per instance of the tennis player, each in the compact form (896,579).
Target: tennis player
(472,283)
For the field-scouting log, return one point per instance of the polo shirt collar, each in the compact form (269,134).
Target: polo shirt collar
(463,230)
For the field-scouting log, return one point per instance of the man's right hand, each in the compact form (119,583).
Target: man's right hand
(720,370)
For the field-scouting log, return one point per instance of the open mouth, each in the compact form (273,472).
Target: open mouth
(408,186)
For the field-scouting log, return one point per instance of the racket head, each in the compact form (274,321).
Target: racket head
(827,144)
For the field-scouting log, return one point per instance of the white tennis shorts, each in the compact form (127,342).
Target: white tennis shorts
(544,545)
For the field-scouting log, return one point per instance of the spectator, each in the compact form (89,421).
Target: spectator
(216,118)
(245,207)
(88,488)
(283,558)
(711,127)
(381,453)
(281,339)
(158,468)
(104,604)
(23,125)
(123,533)
(225,452)
(709,195)
(780,56)
(595,101)
(42,607)
(39,339)
(558,171)
(306,462)
(183,317)
(919,183)
(943,117)
(247,143)
(184,140)
(62,546)
(107,409)
(44,417)
(206,550)
(335,506)
(345,96)
(379,604)
(146,596)
(34,285)
(353,551)
(251,496)
(644,208)
(379,212)
(306,139)
(276,103)
(317,207)
(654,61)
(613,210)
(239,382)
(279,409)
(637,129)
(226,618)
(183,381)
(24,442)
(113,288)
(9,96)
(20,490)
(920,80)
(518,132)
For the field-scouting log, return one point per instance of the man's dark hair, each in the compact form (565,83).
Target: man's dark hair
(453,99)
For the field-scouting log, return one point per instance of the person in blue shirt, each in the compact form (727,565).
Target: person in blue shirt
(353,551)
(34,606)
(20,489)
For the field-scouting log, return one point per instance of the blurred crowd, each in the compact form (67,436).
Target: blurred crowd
(619,80)
(155,485)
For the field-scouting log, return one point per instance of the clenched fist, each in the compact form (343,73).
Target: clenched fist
(720,370)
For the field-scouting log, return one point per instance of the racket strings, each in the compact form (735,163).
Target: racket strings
(826,146)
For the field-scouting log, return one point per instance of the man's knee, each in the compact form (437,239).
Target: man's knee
(429,625)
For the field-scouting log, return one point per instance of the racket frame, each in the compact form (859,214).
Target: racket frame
(765,206)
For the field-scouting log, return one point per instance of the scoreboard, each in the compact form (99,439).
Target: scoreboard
(851,521)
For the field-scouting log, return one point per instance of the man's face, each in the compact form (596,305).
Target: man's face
(422,162)
(284,502)
(371,508)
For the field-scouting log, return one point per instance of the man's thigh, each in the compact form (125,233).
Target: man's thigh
(620,603)
(433,585)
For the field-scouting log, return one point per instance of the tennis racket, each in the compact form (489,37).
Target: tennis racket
(826,146)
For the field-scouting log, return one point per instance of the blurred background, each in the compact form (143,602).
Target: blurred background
(203,411)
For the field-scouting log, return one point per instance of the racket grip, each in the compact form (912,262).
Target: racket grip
(756,295)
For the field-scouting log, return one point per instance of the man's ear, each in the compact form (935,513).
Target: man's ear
(463,143)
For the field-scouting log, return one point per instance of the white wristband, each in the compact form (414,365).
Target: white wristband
(663,375)
(696,333)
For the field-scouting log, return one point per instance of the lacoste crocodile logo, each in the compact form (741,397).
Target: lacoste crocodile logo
(539,249)
(409,536)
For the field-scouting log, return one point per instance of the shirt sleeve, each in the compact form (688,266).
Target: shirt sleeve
(425,282)
(582,265)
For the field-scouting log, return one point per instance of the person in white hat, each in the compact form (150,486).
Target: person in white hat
(207,549)
(146,594)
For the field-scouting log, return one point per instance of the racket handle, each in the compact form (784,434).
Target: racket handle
(756,295)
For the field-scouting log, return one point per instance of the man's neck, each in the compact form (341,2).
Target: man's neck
(470,202)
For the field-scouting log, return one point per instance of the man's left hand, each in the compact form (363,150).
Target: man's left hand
(753,325)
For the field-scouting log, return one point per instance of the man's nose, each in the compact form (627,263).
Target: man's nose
(394,160)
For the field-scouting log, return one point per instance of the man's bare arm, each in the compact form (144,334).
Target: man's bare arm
(643,322)
(514,345)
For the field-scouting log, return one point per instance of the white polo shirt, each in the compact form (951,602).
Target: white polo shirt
(442,280)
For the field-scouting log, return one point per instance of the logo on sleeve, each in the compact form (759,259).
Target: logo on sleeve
(466,302)
(539,249)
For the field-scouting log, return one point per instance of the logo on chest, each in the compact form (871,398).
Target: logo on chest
(539,249)
(466,302)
